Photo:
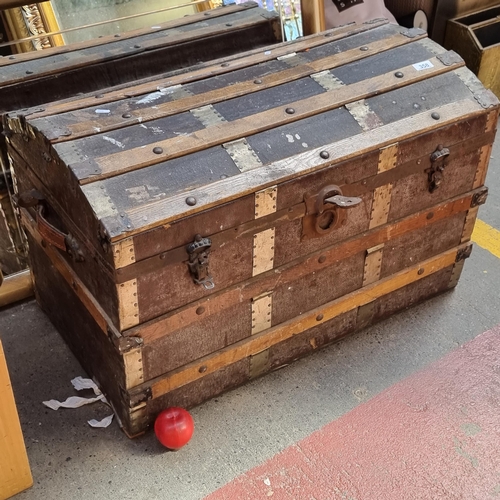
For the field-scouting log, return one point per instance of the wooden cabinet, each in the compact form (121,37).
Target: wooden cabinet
(476,37)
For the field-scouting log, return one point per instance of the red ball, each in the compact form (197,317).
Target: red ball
(174,427)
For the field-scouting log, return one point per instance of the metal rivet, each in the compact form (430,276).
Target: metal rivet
(325,155)
(225,65)
(202,369)
(322,259)
(137,46)
(258,81)
(117,35)
(200,310)
(206,14)
(122,215)
(290,111)
(11,58)
(128,226)
(29,72)
(191,201)
(364,48)
(228,24)
(126,115)
(421,271)
(223,176)
(319,317)
(163,256)
(328,35)
(399,74)
(436,116)
(430,215)
(98,96)
(157,150)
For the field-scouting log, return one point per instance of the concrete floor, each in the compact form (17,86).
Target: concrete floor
(240,429)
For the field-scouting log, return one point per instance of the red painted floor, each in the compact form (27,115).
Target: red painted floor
(435,435)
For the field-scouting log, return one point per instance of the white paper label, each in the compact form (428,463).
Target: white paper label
(423,65)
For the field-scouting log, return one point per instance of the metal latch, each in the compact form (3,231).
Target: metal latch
(326,211)
(199,252)
(438,164)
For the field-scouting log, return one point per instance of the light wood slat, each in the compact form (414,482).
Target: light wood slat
(133,367)
(164,211)
(218,302)
(137,158)
(114,53)
(105,124)
(213,68)
(266,339)
(128,304)
(174,23)
(373,264)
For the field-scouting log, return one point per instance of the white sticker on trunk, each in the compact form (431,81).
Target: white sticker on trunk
(423,65)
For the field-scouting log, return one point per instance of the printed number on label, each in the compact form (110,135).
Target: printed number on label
(423,65)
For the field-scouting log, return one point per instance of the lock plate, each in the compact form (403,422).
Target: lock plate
(326,211)
(199,259)
(435,174)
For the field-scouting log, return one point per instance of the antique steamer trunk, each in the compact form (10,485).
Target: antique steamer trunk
(37,78)
(218,224)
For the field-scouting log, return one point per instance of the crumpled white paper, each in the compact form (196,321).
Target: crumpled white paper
(105,422)
(80,383)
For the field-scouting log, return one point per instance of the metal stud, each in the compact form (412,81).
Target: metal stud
(290,111)
(436,116)
(137,46)
(202,369)
(258,81)
(421,271)
(399,74)
(200,310)
(191,201)
(117,35)
(225,65)
(322,259)
(126,115)
(430,215)
(29,72)
(364,48)
(157,150)
(11,58)
(229,24)
(325,155)
(319,317)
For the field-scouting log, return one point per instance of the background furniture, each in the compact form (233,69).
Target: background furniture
(15,473)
